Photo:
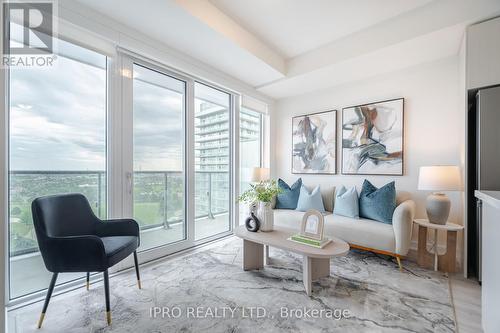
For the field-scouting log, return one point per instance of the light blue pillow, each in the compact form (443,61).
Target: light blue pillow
(287,199)
(346,202)
(377,203)
(310,200)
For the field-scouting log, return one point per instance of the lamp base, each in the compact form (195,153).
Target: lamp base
(438,208)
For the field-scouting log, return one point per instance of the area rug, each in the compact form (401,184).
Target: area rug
(207,291)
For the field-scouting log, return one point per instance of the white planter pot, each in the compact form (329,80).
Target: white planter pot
(266,216)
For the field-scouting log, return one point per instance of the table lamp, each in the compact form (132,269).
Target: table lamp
(260,175)
(439,178)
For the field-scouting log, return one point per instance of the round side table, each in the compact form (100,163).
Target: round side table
(445,262)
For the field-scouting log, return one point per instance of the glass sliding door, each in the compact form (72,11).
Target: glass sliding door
(251,126)
(250,145)
(57,144)
(158,156)
(212,161)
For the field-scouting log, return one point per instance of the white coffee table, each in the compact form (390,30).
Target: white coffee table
(315,264)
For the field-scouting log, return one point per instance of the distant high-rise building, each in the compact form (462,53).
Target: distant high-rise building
(212,154)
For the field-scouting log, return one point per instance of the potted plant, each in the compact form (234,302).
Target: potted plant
(262,193)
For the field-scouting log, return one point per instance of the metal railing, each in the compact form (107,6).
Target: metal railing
(158,198)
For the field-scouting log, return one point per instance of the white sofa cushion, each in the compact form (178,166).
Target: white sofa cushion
(362,232)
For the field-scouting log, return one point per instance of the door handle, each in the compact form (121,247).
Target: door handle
(128,176)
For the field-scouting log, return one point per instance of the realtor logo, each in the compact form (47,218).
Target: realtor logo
(36,19)
(29,34)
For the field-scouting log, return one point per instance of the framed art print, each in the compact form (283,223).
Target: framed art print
(312,225)
(314,143)
(372,138)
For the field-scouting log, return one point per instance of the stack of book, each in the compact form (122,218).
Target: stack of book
(298,238)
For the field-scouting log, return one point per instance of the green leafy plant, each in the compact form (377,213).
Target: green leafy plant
(264,191)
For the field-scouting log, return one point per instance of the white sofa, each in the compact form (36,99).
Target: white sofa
(393,240)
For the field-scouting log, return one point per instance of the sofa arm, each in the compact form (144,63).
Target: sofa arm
(402,222)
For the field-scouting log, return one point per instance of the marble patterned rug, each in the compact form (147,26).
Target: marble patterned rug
(207,291)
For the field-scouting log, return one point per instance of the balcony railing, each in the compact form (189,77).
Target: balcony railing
(158,198)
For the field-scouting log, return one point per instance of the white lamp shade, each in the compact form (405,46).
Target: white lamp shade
(260,174)
(439,178)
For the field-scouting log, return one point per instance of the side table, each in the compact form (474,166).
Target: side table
(445,262)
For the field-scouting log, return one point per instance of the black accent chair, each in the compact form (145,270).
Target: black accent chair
(72,239)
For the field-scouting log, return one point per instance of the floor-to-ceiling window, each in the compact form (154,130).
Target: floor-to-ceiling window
(212,160)
(57,144)
(158,151)
(166,130)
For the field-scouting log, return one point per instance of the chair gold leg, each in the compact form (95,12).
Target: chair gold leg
(47,298)
(399,263)
(108,317)
(139,284)
(40,320)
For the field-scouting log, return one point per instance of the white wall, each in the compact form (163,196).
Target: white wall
(434,130)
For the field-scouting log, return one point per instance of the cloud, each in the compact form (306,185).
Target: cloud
(58,120)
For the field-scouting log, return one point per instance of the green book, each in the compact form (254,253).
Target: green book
(309,241)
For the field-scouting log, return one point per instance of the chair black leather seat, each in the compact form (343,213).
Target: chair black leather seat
(72,239)
(117,247)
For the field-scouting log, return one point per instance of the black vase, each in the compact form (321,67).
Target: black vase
(252,223)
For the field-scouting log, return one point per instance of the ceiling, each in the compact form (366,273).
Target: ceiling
(295,27)
(289,47)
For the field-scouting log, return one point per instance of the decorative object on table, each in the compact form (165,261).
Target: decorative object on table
(298,238)
(252,223)
(377,203)
(314,143)
(347,202)
(372,138)
(263,193)
(439,178)
(289,195)
(311,230)
(443,262)
(266,215)
(312,224)
(310,200)
(258,175)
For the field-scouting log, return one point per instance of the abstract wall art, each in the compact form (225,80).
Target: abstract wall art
(314,143)
(372,138)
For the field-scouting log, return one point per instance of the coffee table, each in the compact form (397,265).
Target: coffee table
(315,264)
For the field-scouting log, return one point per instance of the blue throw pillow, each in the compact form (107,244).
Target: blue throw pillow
(346,202)
(310,200)
(290,195)
(377,204)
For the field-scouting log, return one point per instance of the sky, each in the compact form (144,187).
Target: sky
(58,115)
(58,119)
